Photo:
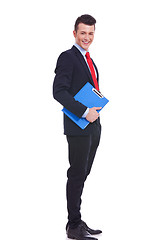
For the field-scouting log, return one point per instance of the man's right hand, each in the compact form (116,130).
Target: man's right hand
(93,114)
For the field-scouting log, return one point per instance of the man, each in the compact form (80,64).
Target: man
(74,69)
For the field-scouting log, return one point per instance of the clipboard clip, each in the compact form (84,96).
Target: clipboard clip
(99,94)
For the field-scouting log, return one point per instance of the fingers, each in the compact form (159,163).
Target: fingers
(97,108)
(93,114)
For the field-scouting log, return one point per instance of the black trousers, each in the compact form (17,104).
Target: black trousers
(82,150)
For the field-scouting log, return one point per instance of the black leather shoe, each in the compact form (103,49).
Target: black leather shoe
(79,233)
(91,231)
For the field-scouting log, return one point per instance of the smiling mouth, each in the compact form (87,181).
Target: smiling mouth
(85,42)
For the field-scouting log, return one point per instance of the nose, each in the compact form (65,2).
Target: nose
(86,37)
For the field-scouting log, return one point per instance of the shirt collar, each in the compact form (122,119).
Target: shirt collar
(83,51)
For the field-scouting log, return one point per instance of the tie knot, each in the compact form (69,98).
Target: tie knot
(87,55)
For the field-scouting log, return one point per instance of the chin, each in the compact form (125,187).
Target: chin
(85,47)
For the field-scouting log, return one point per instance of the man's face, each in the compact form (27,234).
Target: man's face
(84,35)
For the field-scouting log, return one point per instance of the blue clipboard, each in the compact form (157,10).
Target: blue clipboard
(89,97)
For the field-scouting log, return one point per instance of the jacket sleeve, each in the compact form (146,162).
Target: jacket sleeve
(62,85)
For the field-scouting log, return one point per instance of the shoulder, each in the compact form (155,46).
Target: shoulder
(65,61)
(68,57)
(68,53)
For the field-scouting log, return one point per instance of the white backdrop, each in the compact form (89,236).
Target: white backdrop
(121,195)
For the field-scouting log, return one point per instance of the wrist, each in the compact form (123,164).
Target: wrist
(85,113)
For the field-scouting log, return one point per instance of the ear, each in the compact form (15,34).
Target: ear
(74,33)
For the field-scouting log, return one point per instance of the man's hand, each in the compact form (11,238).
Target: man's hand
(93,114)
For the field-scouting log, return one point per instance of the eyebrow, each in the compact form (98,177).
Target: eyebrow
(85,32)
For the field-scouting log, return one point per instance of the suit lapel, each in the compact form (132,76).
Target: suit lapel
(83,62)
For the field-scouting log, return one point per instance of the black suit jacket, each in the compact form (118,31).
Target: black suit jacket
(72,74)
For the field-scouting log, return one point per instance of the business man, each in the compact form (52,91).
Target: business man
(74,69)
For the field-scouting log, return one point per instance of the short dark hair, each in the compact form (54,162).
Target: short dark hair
(86,19)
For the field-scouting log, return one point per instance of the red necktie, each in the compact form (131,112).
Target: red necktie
(90,63)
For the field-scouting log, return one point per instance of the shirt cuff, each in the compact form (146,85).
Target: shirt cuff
(85,113)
